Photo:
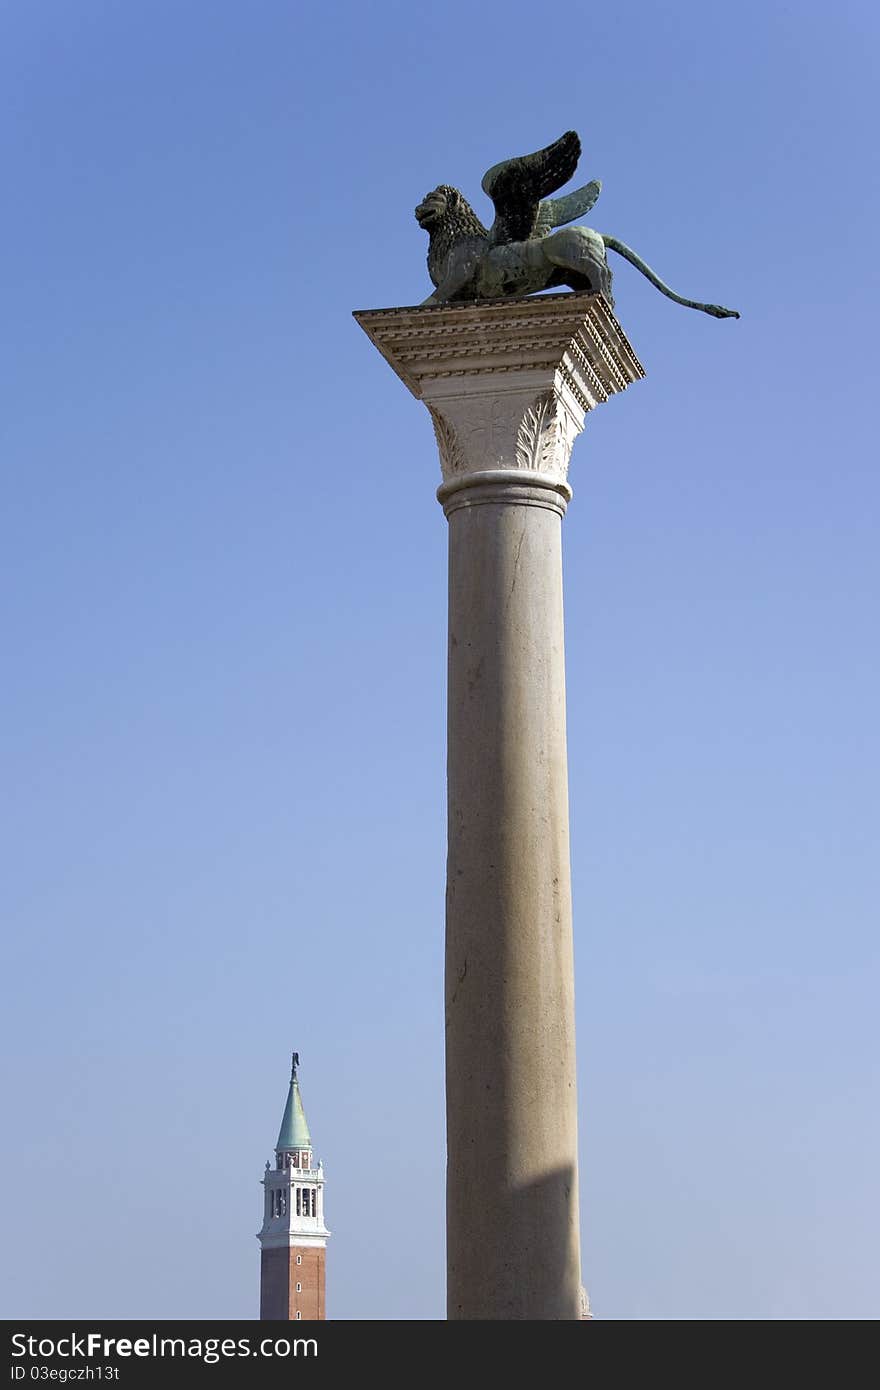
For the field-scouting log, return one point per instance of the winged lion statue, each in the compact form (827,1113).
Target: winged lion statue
(523,252)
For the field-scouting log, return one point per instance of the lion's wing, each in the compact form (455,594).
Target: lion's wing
(555,212)
(518,186)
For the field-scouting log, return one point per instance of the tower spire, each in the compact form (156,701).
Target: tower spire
(294,1131)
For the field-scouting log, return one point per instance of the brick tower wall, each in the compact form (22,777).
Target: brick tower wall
(280,1300)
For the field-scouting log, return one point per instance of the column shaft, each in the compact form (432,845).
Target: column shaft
(512,1209)
(508,384)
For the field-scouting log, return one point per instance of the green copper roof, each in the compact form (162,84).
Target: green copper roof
(294,1131)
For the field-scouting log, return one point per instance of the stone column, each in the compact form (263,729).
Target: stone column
(508,385)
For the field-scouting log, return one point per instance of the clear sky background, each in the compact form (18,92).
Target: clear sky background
(224,646)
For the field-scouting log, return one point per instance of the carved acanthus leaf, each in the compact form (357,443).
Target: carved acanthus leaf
(539,436)
(451,457)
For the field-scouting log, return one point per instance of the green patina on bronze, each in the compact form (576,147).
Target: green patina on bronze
(523,252)
(294,1131)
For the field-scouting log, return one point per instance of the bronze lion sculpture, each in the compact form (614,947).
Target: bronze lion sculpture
(523,252)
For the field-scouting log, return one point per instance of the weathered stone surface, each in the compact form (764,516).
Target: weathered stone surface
(513,1243)
(508,386)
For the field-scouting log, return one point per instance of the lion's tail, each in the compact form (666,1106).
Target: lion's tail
(716,310)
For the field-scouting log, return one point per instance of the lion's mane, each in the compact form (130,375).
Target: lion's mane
(458,223)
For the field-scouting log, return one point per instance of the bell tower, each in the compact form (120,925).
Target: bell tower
(293,1239)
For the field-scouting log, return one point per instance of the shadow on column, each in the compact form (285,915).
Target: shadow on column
(524,1263)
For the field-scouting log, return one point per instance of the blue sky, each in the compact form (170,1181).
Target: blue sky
(224,629)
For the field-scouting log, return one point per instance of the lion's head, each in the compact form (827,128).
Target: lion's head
(446,204)
(448,218)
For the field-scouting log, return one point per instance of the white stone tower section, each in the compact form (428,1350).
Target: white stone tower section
(293,1238)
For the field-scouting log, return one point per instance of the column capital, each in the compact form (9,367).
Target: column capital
(508,383)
